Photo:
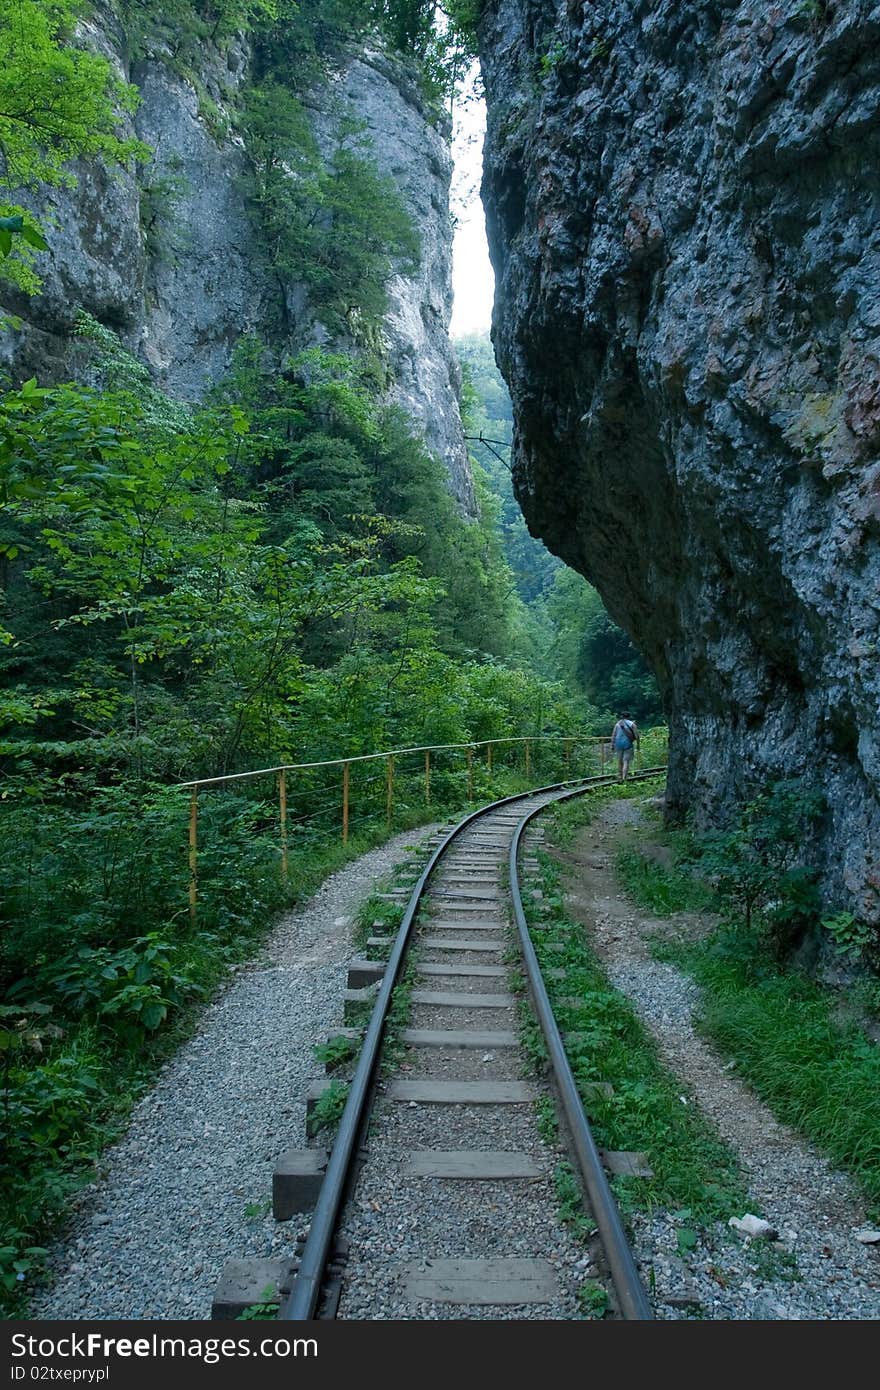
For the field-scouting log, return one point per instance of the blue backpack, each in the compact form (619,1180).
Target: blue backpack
(623,739)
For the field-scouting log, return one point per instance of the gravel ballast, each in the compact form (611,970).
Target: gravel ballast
(189,1186)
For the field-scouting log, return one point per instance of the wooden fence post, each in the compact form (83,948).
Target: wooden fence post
(345,783)
(193,854)
(528,751)
(389,790)
(566,748)
(282,809)
(488,757)
(470,774)
(427,777)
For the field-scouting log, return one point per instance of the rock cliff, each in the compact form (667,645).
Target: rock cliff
(682,198)
(165,255)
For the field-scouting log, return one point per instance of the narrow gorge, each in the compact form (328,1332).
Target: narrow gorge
(295,587)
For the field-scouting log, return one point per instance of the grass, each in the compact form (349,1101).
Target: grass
(546,1121)
(593,1299)
(662,889)
(570,1202)
(783,1034)
(336,1051)
(571,816)
(782,1030)
(632,1101)
(397,1019)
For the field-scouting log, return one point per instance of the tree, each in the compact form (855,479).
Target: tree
(337,226)
(58,102)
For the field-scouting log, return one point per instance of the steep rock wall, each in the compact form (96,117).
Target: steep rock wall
(415,154)
(682,199)
(164,255)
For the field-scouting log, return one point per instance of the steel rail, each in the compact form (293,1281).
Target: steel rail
(301,1303)
(631,1294)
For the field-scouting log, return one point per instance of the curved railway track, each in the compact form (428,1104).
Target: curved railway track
(458,916)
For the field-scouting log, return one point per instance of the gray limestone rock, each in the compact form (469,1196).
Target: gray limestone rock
(165,254)
(682,201)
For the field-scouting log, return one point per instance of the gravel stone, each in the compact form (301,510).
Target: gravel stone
(189,1186)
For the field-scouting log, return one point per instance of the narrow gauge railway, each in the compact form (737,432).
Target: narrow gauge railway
(456,924)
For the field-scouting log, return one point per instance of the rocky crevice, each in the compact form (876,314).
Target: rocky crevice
(682,204)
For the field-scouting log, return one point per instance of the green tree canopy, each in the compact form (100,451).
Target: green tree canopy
(58,101)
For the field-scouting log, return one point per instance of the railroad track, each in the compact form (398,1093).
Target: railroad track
(463,1075)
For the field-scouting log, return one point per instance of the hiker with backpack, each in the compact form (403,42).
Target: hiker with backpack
(624,739)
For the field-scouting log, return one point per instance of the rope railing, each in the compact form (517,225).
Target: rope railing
(421,776)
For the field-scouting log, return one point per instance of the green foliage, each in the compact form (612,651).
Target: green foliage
(785,1036)
(570,1202)
(613,673)
(263,1311)
(58,102)
(397,1018)
(816,12)
(441,37)
(408,23)
(662,889)
(592,1299)
(180,29)
(545,1118)
(254,1210)
(758,866)
(562,626)
(335,225)
(278,574)
(531,1034)
(377,909)
(165,240)
(686,1238)
(327,1111)
(851,937)
(335,1051)
(551,59)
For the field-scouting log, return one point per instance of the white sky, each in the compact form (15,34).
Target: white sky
(473,282)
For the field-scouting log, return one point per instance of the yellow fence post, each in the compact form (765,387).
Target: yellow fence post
(193,853)
(345,781)
(282,809)
(389,790)
(470,773)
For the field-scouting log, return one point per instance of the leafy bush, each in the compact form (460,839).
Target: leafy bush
(759,866)
(851,937)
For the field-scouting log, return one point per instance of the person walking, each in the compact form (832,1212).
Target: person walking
(625,738)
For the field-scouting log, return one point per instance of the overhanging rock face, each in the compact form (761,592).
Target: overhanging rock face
(684,219)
